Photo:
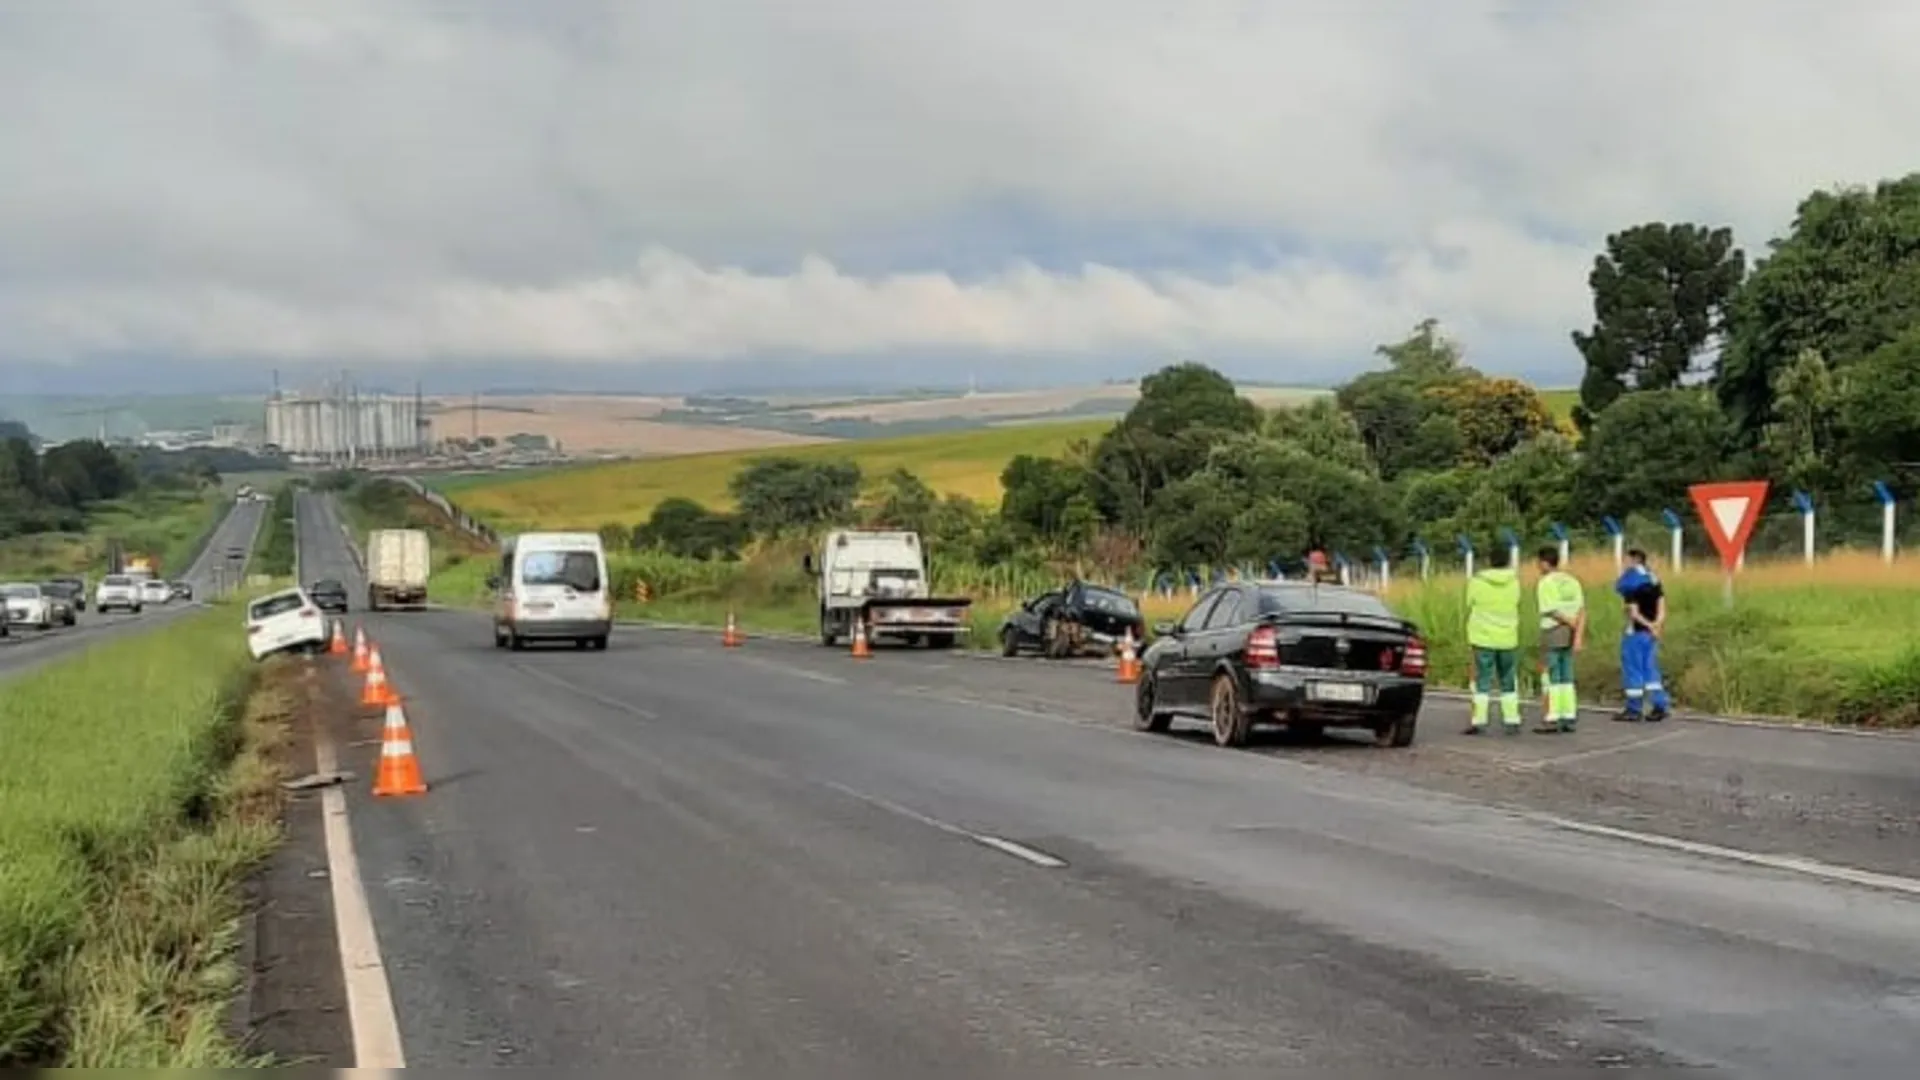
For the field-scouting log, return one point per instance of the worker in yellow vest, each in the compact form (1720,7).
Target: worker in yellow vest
(1493,633)
(1563,630)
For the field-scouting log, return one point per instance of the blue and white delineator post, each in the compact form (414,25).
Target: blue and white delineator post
(1426,558)
(1566,545)
(1803,502)
(1513,547)
(1888,510)
(1619,536)
(1343,567)
(1381,560)
(1466,553)
(1674,529)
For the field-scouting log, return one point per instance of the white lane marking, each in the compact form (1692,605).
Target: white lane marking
(370,1015)
(581,691)
(1792,864)
(1601,751)
(787,669)
(1005,847)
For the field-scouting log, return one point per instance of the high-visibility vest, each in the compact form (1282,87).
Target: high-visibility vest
(1560,592)
(1493,609)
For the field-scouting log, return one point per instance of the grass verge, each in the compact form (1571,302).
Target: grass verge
(273,553)
(138,791)
(167,525)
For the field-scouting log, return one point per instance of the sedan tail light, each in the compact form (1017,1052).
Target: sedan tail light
(1263,648)
(1414,660)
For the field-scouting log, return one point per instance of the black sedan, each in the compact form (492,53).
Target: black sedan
(1078,618)
(1308,656)
(329,595)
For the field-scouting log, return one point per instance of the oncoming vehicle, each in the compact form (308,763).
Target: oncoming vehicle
(155,591)
(118,592)
(552,587)
(180,590)
(1072,620)
(76,588)
(285,621)
(330,595)
(1308,656)
(27,605)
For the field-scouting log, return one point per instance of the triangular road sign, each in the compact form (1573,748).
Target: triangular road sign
(1730,511)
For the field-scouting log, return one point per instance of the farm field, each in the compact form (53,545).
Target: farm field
(960,463)
(583,423)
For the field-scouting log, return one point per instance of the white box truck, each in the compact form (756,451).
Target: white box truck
(879,577)
(398,562)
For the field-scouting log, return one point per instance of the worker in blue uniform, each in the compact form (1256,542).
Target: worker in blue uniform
(1646,610)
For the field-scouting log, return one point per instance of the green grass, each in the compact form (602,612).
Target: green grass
(1560,403)
(273,552)
(961,463)
(167,525)
(135,794)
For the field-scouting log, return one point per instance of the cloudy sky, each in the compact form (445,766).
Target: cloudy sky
(916,187)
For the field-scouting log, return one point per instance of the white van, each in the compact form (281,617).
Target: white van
(552,587)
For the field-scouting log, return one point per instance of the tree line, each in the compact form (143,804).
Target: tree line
(50,489)
(1802,368)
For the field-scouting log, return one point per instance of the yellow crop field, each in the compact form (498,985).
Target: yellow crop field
(958,463)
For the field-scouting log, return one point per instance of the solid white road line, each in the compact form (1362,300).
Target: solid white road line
(375,1028)
(1601,751)
(1020,851)
(1792,864)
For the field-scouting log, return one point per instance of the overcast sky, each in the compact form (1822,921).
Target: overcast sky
(917,186)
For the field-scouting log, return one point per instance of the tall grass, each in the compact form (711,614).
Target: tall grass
(274,552)
(124,834)
(168,525)
(957,462)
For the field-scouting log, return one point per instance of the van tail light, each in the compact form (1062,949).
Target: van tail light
(1263,648)
(252,629)
(1414,660)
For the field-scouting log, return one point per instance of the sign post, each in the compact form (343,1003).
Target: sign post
(1619,535)
(1730,511)
(1674,527)
(1466,553)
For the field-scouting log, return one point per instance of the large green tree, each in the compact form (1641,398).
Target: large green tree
(1182,411)
(1844,282)
(1660,297)
(1647,448)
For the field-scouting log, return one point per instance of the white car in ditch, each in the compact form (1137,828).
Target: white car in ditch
(285,621)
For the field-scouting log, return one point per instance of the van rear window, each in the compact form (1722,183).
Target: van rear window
(575,569)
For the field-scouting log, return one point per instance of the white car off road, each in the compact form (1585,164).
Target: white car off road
(283,622)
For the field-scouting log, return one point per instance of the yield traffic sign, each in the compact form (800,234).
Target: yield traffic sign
(1730,511)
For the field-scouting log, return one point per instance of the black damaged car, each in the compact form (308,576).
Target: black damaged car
(1066,622)
(1308,656)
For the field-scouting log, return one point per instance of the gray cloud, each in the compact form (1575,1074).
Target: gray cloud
(383,181)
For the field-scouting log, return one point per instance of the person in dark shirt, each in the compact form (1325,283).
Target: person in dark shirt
(1646,610)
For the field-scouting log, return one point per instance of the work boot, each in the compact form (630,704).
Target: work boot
(1656,716)
(1627,716)
(1568,725)
(1550,727)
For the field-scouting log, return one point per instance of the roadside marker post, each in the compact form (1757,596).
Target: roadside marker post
(1619,535)
(1426,558)
(1730,511)
(1676,528)
(1888,509)
(1386,568)
(1466,553)
(1566,545)
(1803,502)
(1513,546)
(1343,567)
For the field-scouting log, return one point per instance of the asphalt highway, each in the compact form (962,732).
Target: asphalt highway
(26,649)
(674,856)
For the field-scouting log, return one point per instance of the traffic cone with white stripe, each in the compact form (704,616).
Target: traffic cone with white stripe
(1129,671)
(732,637)
(399,772)
(337,645)
(861,648)
(377,691)
(359,666)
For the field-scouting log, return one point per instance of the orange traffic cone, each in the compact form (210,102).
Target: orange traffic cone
(733,637)
(337,646)
(861,649)
(1129,671)
(359,666)
(399,772)
(377,691)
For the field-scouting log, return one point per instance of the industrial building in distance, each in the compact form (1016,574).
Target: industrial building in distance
(341,424)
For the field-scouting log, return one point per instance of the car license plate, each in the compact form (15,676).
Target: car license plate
(1350,693)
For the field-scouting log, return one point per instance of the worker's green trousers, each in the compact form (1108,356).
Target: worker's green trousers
(1496,668)
(1563,698)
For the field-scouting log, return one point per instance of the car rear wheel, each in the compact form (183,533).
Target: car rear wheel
(1231,723)
(1009,641)
(1397,733)
(1147,714)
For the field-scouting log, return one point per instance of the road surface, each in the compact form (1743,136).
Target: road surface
(27,649)
(677,856)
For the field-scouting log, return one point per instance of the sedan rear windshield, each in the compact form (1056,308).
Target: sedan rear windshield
(1295,599)
(20,592)
(274,605)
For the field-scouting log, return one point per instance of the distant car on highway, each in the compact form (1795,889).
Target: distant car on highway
(118,592)
(64,599)
(180,590)
(1075,619)
(1308,656)
(285,621)
(155,591)
(77,587)
(330,595)
(27,605)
